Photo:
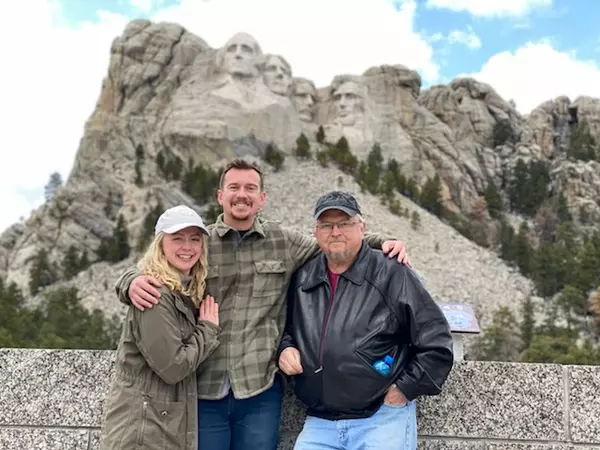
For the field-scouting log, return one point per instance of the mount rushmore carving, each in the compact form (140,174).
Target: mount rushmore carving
(240,91)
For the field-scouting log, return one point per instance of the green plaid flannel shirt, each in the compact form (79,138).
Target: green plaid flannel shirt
(248,278)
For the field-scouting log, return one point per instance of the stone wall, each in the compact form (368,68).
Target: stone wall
(52,399)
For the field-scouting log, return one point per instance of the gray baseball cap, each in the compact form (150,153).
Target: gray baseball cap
(177,218)
(337,200)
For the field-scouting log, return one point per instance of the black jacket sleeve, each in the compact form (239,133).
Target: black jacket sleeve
(431,341)
(287,339)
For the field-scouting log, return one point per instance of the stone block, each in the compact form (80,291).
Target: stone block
(584,403)
(497,401)
(60,388)
(441,444)
(94,440)
(43,439)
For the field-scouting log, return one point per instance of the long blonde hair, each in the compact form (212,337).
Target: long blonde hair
(154,263)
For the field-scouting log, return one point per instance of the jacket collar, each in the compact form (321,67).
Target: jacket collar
(187,309)
(222,228)
(355,273)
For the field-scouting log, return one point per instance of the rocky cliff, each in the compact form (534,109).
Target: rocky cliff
(168,98)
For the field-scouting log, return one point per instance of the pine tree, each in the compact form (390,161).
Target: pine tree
(322,158)
(41,273)
(302,147)
(523,254)
(320,135)
(412,190)
(54,183)
(160,161)
(529,186)
(139,160)
(147,231)
(582,145)
(415,221)
(562,208)
(117,247)
(274,157)
(201,183)
(212,213)
(173,168)
(71,263)
(502,133)
(501,341)
(84,262)
(507,242)
(549,269)
(108,205)
(527,324)
(431,196)
(493,199)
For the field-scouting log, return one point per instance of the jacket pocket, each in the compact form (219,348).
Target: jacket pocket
(162,425)
(308,387)
(356,387)
(268,280)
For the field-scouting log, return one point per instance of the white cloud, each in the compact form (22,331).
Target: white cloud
(55,71)
(320,39)
(491,8)
(538,72)
(52,80)
(468,38)
(143,5)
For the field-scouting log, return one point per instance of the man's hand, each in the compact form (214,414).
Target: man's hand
(289,361)
(393,248)
(143,292)
(395,397)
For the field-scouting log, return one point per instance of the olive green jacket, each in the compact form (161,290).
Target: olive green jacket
(152,402)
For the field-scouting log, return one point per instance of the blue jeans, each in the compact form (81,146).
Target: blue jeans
(231,424)
(390,428)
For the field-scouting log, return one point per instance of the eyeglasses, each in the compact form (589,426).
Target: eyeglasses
(327,227)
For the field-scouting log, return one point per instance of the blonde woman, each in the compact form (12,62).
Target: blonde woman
(152,403)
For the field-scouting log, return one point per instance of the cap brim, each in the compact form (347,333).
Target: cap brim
(349,211)
(181,226)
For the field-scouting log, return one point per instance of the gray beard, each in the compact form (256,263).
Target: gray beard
(338,257)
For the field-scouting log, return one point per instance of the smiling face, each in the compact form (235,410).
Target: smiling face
(241,197)
(339,235)
(183,249)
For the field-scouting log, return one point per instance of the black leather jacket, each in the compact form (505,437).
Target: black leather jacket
(380,307)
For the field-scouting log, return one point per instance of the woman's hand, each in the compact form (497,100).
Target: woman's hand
(209,310)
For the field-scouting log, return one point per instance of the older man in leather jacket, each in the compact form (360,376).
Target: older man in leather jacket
(363,339)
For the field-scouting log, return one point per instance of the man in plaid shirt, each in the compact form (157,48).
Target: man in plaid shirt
(250,265)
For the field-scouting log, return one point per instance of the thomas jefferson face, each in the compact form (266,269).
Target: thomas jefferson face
(277,75)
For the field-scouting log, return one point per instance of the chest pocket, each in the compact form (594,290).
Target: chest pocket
(268,279)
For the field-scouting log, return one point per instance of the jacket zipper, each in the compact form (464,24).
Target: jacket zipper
(143,427)
(323,331)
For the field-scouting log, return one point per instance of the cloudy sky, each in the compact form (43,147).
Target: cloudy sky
(55,54)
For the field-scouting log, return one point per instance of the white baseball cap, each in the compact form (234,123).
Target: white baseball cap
(177,218)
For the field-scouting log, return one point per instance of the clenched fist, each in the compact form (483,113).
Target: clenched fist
(289,361)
